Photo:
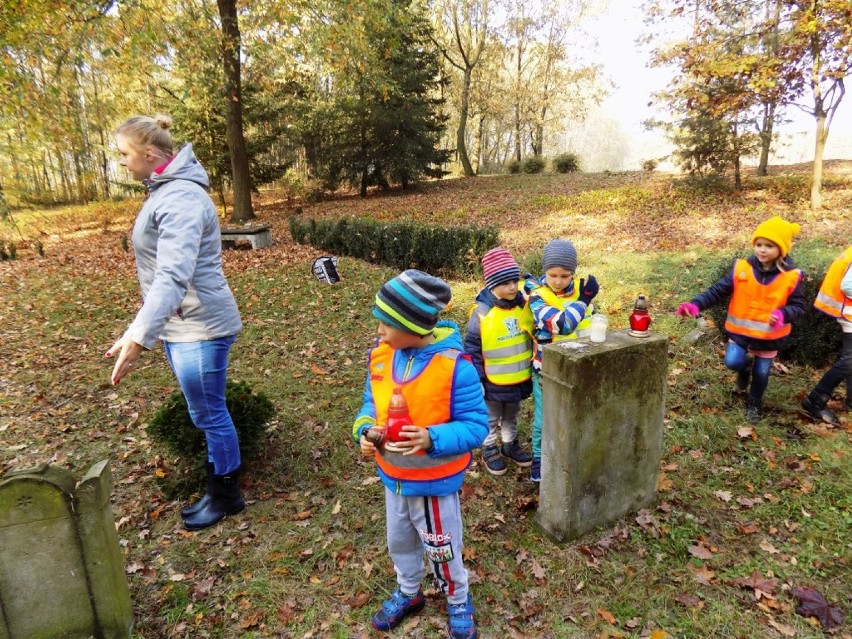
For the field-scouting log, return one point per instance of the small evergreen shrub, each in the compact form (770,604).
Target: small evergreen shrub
(649,165)
(532,164)
(816,337)
(566,163)
(532,263)
(402,245)
(172,427)
(513,167)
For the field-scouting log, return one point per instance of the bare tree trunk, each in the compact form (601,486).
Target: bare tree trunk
(819,149)
(242,209)
(82,157)
(766,137)
(100,127)
(63,175)
(461,132)
(478,148)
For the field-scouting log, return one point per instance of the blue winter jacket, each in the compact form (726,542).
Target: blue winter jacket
(468,425)
(178,251)
(722,290)
(485,301)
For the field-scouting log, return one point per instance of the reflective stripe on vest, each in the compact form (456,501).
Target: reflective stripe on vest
(831,299)
(506,347)
(752,302)
(428,396)
(584,328)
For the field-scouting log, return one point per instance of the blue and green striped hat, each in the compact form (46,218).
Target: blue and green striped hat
(411,301)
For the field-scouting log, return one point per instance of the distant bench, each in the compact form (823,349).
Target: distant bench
(259,236)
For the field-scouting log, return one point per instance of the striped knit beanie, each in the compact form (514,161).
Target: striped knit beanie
(559,253)
(499,267)
(411,301)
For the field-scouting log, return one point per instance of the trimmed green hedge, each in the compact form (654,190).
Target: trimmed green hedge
(816,337)
(440,250)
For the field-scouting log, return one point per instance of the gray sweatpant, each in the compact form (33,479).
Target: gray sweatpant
(502,419)
(430,526)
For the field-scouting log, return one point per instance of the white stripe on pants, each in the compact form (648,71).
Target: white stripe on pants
(430,526)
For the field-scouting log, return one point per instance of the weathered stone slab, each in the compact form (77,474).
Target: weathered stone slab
(602,430)
(61,570)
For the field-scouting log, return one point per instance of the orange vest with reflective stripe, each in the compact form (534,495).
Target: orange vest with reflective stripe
(428,396)
(752,302)
(831,300)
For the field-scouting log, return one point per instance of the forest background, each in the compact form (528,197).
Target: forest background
(321,95)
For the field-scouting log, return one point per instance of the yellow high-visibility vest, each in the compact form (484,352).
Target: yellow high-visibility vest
(507,347)
(584,328)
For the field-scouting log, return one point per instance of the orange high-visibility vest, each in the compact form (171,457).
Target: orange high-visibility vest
(428,396)
(752,302)
(831,300)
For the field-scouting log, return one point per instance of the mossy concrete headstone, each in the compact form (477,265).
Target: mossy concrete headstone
(61,569)
(602,430)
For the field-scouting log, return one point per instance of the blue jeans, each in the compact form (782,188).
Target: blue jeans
(200,368)
(737,359)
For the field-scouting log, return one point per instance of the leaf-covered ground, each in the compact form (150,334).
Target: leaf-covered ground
(746,513)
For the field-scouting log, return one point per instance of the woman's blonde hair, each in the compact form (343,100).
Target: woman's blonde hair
(142,131)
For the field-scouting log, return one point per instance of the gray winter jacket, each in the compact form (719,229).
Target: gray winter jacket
(179,260)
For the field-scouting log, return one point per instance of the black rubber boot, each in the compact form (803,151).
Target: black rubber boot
(815,406)
(225,499)
(190,510)
(754,410)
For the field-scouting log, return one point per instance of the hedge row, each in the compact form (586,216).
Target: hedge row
(439,250)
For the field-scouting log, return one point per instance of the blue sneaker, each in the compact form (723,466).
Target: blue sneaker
(535,471)
(397,608)
(461,624)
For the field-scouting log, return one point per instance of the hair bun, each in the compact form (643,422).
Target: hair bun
(163,121)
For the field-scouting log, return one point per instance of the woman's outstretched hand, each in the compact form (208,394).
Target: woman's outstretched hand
(128,352)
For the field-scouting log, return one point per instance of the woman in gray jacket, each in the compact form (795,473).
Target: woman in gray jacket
(186,301)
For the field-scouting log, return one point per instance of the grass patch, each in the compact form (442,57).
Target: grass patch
(308,558)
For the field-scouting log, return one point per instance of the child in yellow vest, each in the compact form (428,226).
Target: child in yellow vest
(560,307)
(501,349)
(423,474)
(766,298)
(835,300)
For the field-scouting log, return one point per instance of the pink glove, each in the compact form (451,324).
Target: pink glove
(776,319)
(687,308)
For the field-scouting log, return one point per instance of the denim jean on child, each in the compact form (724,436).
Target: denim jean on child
(200,368)
(737,359)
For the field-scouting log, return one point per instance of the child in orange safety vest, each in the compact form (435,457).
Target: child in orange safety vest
(499,342)
(835,300)
(422,359)
(766,298)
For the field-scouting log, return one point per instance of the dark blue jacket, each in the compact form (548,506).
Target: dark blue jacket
(722,290)
(473,347)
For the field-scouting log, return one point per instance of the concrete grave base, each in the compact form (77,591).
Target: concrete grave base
(602,430)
